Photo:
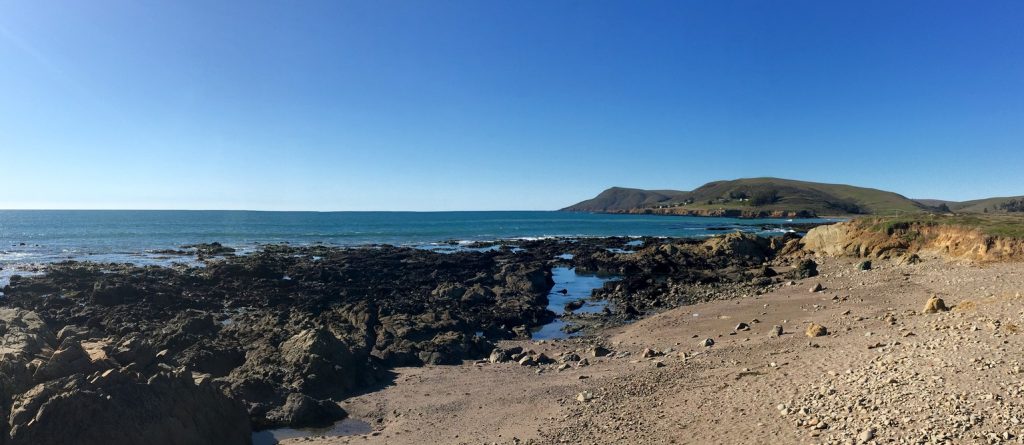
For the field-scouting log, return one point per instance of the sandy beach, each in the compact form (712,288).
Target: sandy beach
(885,373)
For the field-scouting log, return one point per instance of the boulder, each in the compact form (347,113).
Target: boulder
(498,355)
(23,334)
(570,357)
(111,294)
(599,351)
(739,244)
(300,410)
(133,349)
(816,330)
(114,408)
(70,359)
(318,364)
(24,338)
(574,305)
(805,269)
(934,305)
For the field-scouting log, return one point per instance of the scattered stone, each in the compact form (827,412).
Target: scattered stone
(934,305)
(817,288)
(805,269)
(584,397)
(866,435)
(776,331)
(708,342)
(570,357)
(599,351)
(742,327)
(816,330)
(649,353)
(864,265)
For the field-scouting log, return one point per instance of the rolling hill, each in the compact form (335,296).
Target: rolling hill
(754,197)
(617,199)
(994,205)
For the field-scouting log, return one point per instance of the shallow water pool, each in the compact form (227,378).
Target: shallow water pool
(578,286)
(346,427)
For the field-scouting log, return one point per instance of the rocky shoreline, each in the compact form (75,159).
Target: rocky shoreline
(278,337)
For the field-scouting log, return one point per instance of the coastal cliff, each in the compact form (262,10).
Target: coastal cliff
(882,238)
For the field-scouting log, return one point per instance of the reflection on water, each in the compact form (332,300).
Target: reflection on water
(347,427)
(577,286)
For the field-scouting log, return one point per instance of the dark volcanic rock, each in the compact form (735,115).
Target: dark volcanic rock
(24,337)
(113,408)
(805,269)
(286,332)
(70,359)
(300,409)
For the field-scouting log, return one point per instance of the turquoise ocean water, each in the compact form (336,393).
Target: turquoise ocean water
(131,236)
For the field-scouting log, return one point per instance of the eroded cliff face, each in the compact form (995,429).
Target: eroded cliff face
(865,238)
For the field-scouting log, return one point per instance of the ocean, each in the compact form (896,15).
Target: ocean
(41,236)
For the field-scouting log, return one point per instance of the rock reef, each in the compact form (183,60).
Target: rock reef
(278,337)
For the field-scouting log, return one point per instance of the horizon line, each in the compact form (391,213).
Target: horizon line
(254,210)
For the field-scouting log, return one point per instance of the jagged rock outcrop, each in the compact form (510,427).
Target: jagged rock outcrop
(115,408)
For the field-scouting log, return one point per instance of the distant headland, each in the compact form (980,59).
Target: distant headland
(781,198)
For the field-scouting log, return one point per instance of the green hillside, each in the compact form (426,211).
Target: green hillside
(756,194)
(618,199)
(786,194)
(1012,204)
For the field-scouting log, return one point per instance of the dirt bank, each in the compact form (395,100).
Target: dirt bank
(880,238)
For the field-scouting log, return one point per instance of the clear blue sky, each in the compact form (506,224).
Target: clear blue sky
(438,105)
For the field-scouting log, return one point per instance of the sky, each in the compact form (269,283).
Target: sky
(486,105)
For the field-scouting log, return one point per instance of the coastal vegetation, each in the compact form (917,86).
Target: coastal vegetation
(997,225)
